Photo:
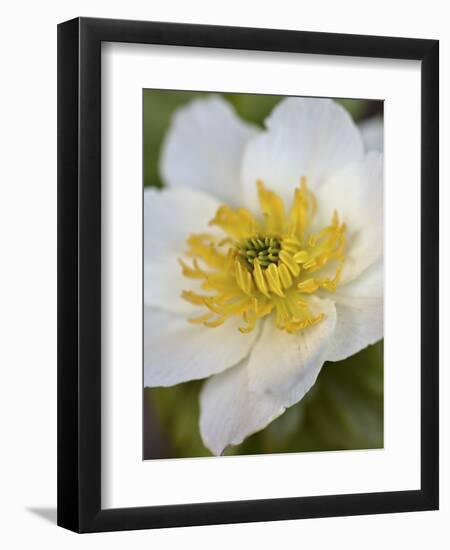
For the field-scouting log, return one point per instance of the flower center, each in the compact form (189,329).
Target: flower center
(262,249)
(265,265)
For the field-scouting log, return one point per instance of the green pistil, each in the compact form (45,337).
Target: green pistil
(262,249)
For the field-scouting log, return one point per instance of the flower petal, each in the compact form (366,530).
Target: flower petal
(372,133)
(285,365)
(359,307)
(305,137)
(203,149)
(356,193)
(280,370)
(170,216)
(177,351)
(229,412)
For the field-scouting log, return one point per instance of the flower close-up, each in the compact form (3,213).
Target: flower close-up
(263,257)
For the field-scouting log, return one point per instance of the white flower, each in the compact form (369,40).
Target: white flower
(372,133)
(262,258)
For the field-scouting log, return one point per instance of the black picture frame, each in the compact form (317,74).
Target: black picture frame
(79,274)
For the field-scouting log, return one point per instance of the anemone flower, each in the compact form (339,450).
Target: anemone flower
(263,257)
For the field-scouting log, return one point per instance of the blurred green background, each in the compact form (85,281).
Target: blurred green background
(343,410)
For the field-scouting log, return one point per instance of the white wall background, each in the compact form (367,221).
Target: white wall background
(28,271)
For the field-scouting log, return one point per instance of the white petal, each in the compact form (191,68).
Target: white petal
(372,133)
(280,370)
(203,148)
(230,412)
(356,193)
(305,137)
(359,307)
(285,366)
(176,351)
(170,216)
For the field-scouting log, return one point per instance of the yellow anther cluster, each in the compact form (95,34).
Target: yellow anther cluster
(268,264)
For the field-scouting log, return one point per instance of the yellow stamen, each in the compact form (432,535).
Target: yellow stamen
(285,276)
(260,280)
(290,263)
(264,265)
(201,319)
(272,208)
(273,279)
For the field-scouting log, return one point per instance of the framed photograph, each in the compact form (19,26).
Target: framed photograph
(248,275)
